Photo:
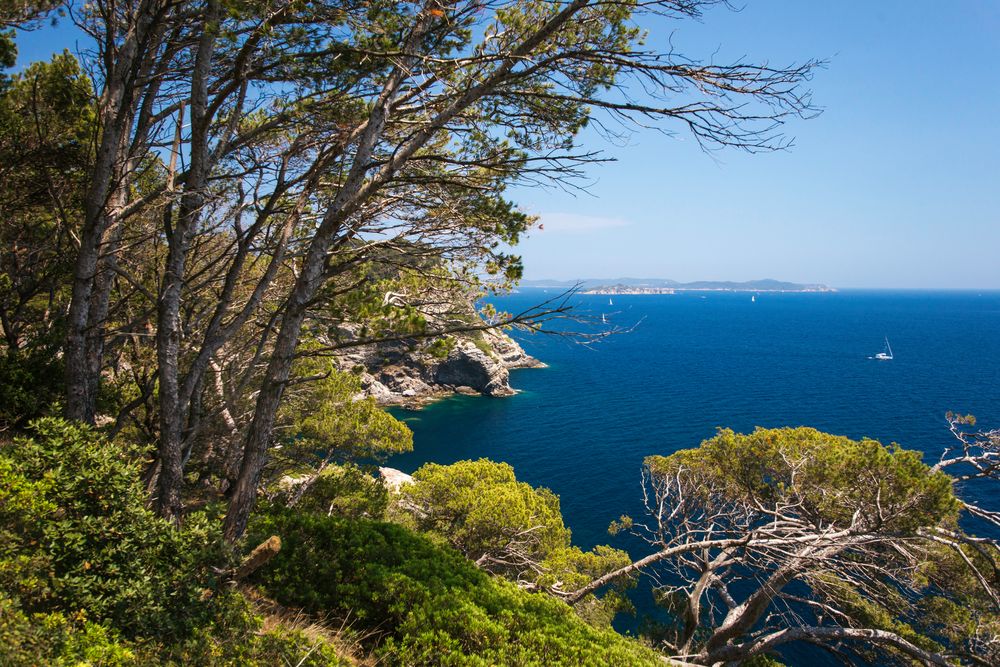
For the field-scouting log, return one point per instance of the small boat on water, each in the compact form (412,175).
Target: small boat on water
(610,302)
(753,298)
(885,355)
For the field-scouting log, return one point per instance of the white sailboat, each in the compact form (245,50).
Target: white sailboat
(604,320)
(887,354)
(610,302)
(753,298)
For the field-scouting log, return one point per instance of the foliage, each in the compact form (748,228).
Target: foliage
(46,125)
(31,385)
(77,536)
(427,604)
(512,529)
(54,639)
(481,508)
(503,525)
(790,534)
(91,576)
(329,422)
(440,348)
(238,635)
(330,416)
(830,477)
(342,490)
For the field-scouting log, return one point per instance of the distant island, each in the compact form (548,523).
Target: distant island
(665,286)
(628,289)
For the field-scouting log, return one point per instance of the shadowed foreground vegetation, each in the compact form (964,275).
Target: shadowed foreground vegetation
(89,575)
(857,541)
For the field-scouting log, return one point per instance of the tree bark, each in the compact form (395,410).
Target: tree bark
(173,415)
(125,65)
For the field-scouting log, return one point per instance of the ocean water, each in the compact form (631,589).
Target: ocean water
(695,362)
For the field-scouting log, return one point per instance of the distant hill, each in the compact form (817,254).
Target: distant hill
(623,284)
(598,282)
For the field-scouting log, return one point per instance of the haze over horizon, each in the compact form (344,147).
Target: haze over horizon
(613,280)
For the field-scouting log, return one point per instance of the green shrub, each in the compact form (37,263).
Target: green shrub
(236,636)
(76,537)
(481,508)
(511,528)
(427,603)
(89,576)
(347,490)
(440,348)
(54,639)
(480,342)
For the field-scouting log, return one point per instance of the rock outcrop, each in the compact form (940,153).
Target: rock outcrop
(394,478)
(408,374)
(469,366)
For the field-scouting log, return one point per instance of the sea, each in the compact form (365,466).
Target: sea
(686,364)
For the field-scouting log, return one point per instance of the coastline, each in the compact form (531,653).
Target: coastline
(398,376)
(674,290)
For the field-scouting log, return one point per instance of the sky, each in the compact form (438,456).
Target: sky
(896,184)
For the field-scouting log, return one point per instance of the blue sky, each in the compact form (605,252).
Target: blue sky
(895,184)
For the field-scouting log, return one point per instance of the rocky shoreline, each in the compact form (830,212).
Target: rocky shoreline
(404,374)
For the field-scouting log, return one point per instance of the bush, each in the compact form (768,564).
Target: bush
(238,636)
(89,576)
(427,603)
(348,490)
(481,508)
(76,536)
(54,639)
(511,528)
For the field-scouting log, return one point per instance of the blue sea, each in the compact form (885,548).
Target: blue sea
(693,362)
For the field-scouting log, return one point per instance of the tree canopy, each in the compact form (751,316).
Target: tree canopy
(794,535)
(231,181)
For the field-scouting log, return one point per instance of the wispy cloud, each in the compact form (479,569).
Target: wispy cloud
(573,223)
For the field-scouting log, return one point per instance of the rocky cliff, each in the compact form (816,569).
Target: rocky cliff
(404,373)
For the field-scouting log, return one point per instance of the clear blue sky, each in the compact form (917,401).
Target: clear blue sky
(896,184)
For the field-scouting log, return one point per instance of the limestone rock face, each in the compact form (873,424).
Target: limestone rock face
(469,366)
(403,380)
(404,373)
(510,353)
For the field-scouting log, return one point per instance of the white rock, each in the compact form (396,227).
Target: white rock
(394,478)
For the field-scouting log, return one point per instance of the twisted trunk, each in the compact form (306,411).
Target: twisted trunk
(126,67)
(173,413)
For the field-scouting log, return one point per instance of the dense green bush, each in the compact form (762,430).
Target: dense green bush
(426,604)
(75,535)
(482,508)
(89,576)
(235,636)
(238,636)
(55,639)
(346,490)
(511,528)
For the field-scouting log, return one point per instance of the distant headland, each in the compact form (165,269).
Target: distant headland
(665,286)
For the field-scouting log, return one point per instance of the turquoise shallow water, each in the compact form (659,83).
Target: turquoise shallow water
(696,362)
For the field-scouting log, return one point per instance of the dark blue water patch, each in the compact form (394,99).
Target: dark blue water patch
(695,362)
